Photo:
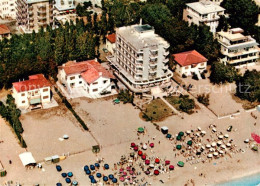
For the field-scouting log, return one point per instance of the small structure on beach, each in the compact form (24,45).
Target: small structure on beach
(27,159)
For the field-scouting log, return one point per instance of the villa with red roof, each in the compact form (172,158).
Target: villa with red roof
(111,43)
(190,62)
(86,78)
(4,32)
(32,93)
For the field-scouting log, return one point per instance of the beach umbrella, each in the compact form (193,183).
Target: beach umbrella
(178,147)
(189,143)
(91,177)
(68,180)
(246,141)
(92,167)
(219,143)
(134,176)
(199,129)
(131,172)
(70,174)
(128,177)
(140,129)
(178,138)
(228,145)
(197,134)
(213,144)
(203,133)
(221,152)
(215,153)
(255,148)
(156,172)
(121,170)
(58,168)
(122,179)
(147,162)
(171,167)
(181,133)
(132,154)
(88,172)
(105,178)
(128,168)
(255,137)
(168,136)
(223,146)
(65,136)
(143,157)
(58,184)
(136,148)
(147,172)
(180,163)
(209,156)
(211,149)
(99,175)
(167,162)
(151,145)
(74,183)
(144,147)
(226,135)
(151,165)
(214,130)
(188,132)
(220,137)
(106,166)
(132,144)
(208,146)
(164,130)
(157,160)
(64,175)
(97,165)
(140,153)
(114,180)
(111,176)
(86,168)
(93,181)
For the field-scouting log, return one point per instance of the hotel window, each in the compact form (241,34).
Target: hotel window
(23,94)
(45,90)
(104,81)
(187,67)
(79,76)
(80,82)
(95,90)
(23,101)
(45,97)
(95,83)
(73,77)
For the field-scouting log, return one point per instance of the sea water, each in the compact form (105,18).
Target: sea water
(253,180)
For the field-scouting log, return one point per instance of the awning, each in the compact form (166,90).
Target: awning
(27,158)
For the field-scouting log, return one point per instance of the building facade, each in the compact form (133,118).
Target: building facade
(141,58)
(111,43)
(88,78)
(238,50)
(205,12)
(34,14)
(64,6)
(189,63)
(7,9)
(32,93)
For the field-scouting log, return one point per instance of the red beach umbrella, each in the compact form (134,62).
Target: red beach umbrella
(128,168)
(128,177)
(147,162)
(156,172)
(167,162)
(171,167)
(132,144)
(147,172)
(140,153)
(131,172)
(121,170)
(124,173)
(144,157)
(136,148)
(255,137)
(157,160)
(122,179)
(152,145)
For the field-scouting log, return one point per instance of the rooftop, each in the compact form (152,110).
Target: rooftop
(35,82)
(90,70)
(111,38)
(4,30)
(189,58)
(36,1)
(141,36)
(234,34)
(205,7)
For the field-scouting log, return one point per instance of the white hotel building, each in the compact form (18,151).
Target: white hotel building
(141,58)
(205,12)
(7,9)
(238,50)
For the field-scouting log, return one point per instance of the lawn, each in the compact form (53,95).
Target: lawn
(156,110)
(174,101)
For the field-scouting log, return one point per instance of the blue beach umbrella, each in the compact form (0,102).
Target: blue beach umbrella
(93,181)
(68,180)
(86,168)
(92,167)
(97,165)
(91,177)
(111,176)
(88,172)
(105,178)
(58,184)
(70,174)
(106,166)
(114,180)
(64,175)
(98,175)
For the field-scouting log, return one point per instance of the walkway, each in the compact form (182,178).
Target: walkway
(169,105)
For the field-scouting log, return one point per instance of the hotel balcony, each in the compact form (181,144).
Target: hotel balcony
(42,17)
(166,53)
(42,23)
(166,60)
(41,11)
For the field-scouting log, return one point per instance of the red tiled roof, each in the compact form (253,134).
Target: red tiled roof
(90,70)
(189,58)
(111,38)
(35,82)
(4,30)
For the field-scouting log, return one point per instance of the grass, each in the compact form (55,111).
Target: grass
(174,101)
(156,110)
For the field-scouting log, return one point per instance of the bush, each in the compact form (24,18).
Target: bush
(186,104)
(204,99)
(125,96)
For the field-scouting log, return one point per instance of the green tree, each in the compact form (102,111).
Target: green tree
(204,99)
(125,96)
(186,104)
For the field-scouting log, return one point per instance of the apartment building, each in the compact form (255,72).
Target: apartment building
(86,78)
(238,50)
(32,93)
(141,58)
(204,12)
(34,14)
(7,9)
(64,6)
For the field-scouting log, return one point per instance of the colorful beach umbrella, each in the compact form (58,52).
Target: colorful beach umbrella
(92,167)
(140,129)
(122,179)
(178,138)
(114,180)
(68,180)
(105,178)
(106,166)
(189,143)
(151,145)
(178,147)
(97,165)
(255,137)
(88,172)
(111,176)
(64,175)
(167,162)
(86,168)
(140,153)
(91,177)
(181,133)
(147,162)
(132,144)
(171,167)
(180,164)
(136,148)
(156,172)
(157,160)
(99,175)
(70,174)
(143,157)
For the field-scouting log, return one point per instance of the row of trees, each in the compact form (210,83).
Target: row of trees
(11,114)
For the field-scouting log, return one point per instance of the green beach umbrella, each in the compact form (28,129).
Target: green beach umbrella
(181,133)
(140,129)
(180,164)
(178,138)
(117,101)
(178,147)
(189,143)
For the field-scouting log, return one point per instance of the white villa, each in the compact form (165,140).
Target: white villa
(111,43)
(87,78)
(238,50)
(190,62)
(32,93)
(205,12)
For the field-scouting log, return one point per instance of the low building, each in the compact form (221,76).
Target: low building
(94,2)
(190,62)
(218,2)
(7,9)
(32,93)
(238,50)
(4,32)
(111,43)
(64,7)
(87,78)
(204,12)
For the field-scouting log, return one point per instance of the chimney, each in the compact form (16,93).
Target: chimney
(141,21)
(100,73)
